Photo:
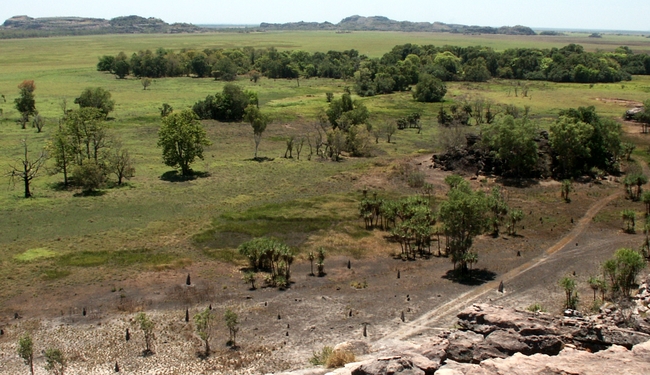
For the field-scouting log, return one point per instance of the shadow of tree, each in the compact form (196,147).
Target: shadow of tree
(90,193)
(175,176)
(471,277)
(260,159)
(518,182)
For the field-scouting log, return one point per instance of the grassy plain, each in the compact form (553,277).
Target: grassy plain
(152,223)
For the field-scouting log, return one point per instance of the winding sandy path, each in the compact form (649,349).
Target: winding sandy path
(433,318)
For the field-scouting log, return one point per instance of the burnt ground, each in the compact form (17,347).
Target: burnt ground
(281,329)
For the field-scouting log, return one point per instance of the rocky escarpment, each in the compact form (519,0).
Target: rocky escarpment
(21,26)
(498,340)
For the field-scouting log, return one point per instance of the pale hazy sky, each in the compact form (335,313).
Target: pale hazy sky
(582,14)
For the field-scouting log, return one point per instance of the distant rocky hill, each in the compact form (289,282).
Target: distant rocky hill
(24,26)
(378,23)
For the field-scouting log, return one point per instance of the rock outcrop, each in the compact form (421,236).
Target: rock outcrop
(474,158)
(496,340)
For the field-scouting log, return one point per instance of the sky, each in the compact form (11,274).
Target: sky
(563,14)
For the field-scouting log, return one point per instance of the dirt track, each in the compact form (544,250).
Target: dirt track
(442,316)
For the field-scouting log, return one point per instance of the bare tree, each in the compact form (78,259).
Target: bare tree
(299,143)
(26,170)
(120,164)
(389,130)
(38,122)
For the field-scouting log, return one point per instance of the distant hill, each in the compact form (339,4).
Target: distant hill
(378,23)
(24,26)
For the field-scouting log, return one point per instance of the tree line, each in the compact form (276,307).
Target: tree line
(394,71)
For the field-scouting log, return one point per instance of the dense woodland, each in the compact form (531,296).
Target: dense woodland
(396,70)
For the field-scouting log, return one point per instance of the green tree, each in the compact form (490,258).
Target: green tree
(429,89)
(258,121)
(629,217)
(55,361)
(146,82)
(26,351)
(203,322)
(90,175)
(147,326)
(623,269)
(87,134)
(571,295)
(229,105)
(345,112)
(513,141)
(96,98)
(498,208)
(515,216)
(570,141)
(166,110)
(61,150)
(464,215)
(224,69)
(232,322)
(596,284)
(27,168)
(25,103)
(182,139)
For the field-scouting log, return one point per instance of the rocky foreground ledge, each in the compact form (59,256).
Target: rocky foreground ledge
(498,340)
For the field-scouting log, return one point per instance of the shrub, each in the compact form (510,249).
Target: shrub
(321,358)
(339,358)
